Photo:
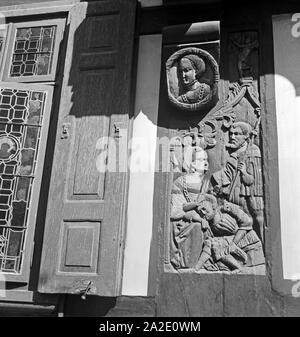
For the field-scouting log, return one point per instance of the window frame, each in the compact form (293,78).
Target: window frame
(44,83)
(9,47)
(17,290)
(4,36)
(28,246)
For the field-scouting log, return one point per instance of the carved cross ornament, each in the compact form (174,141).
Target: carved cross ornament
(217,202)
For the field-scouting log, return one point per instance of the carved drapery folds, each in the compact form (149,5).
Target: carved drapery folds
(217,205)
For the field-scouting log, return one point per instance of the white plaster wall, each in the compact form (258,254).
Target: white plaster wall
(142,164)
(287,95)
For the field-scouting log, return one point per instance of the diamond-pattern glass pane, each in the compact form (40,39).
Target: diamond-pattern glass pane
(33,51)
(21,118)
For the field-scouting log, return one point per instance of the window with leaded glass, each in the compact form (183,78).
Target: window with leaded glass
(28,54)
(24,115)
(32,51)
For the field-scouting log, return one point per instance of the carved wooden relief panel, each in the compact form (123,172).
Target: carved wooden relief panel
(216,201)
(192,78)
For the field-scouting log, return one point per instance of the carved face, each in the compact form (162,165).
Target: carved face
(200,162)
(206,210)
(188,71)
(236,137)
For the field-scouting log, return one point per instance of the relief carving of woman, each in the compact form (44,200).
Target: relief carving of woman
(191,68)
(186,233)
(205,235)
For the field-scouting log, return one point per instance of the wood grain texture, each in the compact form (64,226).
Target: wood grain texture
(27,310)
(250,295)
(178,294)
(190,295)
(23,2)
(96,96)
(80,246)
(239,295)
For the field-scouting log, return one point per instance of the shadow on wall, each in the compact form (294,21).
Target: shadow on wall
(93,306)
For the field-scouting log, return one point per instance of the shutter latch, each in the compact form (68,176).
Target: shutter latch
(87,289)
(83,288)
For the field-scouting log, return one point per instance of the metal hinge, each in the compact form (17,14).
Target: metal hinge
(117,129)
(65,131)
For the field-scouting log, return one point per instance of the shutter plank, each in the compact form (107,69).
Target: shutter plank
(85,215)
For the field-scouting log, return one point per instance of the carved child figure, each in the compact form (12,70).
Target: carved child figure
(231,242)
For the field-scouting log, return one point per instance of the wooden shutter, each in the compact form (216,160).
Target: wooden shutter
(85,214)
